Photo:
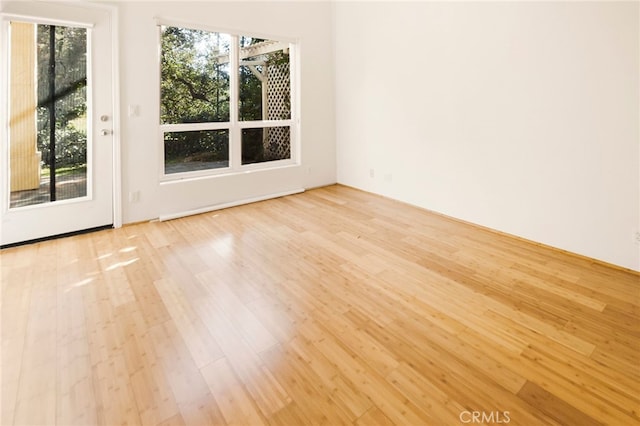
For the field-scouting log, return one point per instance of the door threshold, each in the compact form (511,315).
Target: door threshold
(55,237)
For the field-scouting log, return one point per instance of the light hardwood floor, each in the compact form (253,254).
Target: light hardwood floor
(329,307)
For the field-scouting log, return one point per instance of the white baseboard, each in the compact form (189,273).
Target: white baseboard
(171,216)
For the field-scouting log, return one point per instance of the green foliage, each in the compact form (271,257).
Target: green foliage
(194,83)
(194,89)
(70,97)
(71,147)
(206,145)
(250,86)
(250,95)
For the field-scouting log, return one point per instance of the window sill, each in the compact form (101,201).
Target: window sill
(227,172)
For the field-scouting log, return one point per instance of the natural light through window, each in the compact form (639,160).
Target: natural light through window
(225,102)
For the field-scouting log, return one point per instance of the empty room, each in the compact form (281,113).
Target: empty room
(320,212)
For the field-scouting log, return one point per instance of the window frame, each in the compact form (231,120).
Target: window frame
(234,125)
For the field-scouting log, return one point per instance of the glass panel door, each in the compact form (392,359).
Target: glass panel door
(48,113)
(57,140)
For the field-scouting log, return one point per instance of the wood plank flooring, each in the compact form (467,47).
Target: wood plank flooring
(331,307)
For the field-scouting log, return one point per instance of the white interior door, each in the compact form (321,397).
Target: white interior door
(57,114)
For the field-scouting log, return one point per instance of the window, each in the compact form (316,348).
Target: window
(225,102)
(49,107)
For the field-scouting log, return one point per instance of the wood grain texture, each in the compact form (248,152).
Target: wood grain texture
(331,307)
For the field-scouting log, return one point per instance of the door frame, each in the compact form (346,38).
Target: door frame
(116,172)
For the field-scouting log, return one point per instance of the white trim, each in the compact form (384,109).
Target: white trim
(235,145)
(33,19)
(91,110)
(116,189)
(56,203)
(170,22)
(115,83)
(117,141)
(194,174)
(231,168)
(5,59)
(112,16)
(172,216)
(226,171)
(266,165)
(158,114)
(265,124)
(234,125)
(191,127)
(295,68)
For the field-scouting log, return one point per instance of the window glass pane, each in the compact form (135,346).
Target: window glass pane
(48,107)
(266,144)
(194,76)
(195,150)
(264,81)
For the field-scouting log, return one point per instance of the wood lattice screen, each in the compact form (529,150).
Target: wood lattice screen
(277,140)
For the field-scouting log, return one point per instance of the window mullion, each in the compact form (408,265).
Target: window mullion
(201,139)
(234,132)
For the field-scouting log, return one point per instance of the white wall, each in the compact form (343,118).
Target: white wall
(308,22)
(522,117)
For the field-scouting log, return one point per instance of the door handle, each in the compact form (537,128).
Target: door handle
(105,132)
